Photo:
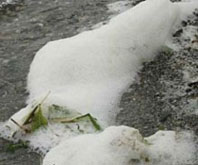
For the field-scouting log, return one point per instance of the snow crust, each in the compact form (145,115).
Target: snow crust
(89,73)
(124,146)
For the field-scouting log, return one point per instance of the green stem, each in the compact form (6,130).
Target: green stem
(93,121)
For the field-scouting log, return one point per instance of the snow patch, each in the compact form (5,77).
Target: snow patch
(119,6)
(124,146)
(8,2)
(187,7)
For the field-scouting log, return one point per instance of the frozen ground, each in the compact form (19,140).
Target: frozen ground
(169,82)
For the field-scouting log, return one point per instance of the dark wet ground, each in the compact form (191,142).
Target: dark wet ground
(21,156)
(159,99)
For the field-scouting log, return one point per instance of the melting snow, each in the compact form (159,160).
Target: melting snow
(124,146)
(89,73)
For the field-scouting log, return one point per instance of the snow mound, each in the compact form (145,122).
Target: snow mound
(90,71)
(124,146)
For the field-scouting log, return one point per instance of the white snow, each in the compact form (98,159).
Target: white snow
(187,7)
(124,146)
(89,73)
(119,6)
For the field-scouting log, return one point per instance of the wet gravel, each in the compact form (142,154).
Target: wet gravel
(21,156)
